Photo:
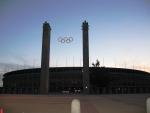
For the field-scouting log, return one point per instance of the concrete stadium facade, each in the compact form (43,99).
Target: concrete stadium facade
(69,80)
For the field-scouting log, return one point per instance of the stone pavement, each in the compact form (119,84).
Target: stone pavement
(130,103)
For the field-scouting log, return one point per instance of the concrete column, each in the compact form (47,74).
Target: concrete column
(44,78)
(86,78)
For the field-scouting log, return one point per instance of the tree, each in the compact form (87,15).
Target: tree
(97,64)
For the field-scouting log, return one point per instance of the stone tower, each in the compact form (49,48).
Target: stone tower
(85,71)
(44,78)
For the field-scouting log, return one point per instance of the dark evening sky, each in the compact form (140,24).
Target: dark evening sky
(119,31)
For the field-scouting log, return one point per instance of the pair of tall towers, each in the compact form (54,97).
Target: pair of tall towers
(44,78)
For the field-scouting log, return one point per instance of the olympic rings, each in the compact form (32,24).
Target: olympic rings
(65,39)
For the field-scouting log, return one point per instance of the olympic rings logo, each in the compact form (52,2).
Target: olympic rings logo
(65,39)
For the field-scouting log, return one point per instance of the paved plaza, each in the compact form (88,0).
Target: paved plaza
(127,103)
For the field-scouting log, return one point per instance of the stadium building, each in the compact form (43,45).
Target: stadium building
(69,80)
(86,80)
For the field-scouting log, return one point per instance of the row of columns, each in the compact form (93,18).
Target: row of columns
(120,90)
(113,90)
(19,91)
